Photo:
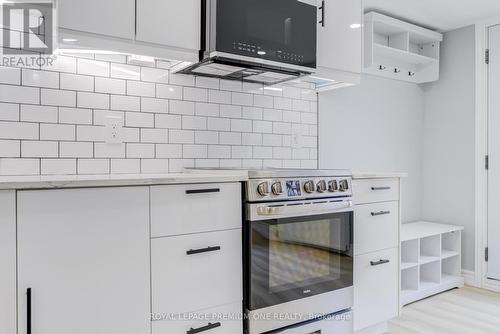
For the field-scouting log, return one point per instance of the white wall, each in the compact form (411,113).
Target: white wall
(448,169)
(376,126)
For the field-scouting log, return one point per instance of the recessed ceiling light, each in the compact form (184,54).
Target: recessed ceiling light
(70,40)
(261,53)
(355,26)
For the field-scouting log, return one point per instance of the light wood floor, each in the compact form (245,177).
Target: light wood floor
(460,311)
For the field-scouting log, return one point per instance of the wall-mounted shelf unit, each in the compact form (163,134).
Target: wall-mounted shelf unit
(430,260)
(399,50)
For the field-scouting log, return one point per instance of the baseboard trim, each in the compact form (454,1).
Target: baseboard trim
(470,278)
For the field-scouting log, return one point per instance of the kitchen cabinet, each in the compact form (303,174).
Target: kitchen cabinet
(170,23)
(114,18)
(376,261)
(339,48)
(84,254)
(8,262)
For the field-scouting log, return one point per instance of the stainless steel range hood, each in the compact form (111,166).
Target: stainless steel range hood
(229,51)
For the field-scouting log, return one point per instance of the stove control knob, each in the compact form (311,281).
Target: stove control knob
(277,188)
(344,185)
(309,187)
(263,189)
(321,186)
(333,186)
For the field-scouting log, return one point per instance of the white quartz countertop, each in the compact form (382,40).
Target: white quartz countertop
(378,175)
(80,181)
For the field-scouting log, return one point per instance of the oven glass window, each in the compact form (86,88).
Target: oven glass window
(299,257)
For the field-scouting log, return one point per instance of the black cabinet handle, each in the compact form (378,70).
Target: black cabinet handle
(202,191)
(381,188)
(204,329)
(322,8)
(202,250)
(378,263)
(28,311)
(381,213)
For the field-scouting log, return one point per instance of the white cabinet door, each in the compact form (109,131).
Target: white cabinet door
(376,288)
(115,18)
(340,37)
(170,23)
(84,253)
(8,262)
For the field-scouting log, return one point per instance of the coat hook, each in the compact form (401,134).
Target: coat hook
(397,70)
(411,74)
(382,67)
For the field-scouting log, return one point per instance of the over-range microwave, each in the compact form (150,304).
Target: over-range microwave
(264,41)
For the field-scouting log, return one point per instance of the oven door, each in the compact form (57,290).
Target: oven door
(290,258)
(282,31)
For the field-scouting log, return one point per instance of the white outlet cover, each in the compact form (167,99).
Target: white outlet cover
(113,130)
(297,140)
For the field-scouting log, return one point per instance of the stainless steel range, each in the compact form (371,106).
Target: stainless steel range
(298,252)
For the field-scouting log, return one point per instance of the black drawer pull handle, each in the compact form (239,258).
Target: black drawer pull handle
(28,311)
(204,329)
(202,191)
(322,8)
(380,188)
(381,213)
(378,263)
(203,250)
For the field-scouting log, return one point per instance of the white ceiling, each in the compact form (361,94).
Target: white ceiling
(442,15)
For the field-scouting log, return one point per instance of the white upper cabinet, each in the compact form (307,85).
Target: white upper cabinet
(114,18)
(340,40)
(84,256)
(169,23)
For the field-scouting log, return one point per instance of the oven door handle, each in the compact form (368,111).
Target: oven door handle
(303,210)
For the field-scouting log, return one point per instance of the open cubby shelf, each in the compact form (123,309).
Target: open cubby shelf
(399,50)
(430,260)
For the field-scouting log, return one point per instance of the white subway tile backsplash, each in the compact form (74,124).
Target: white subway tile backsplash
(168,121)
(75,116)
(139,120)
(140,151)
(138,88)
(60,98)
(154,136)
(154,105)
(77,82)
(123,71)
(154,75)
(93,166)
(169,92)
(16,166)
(76,150)
(40,78)
(93,67)
(16,130)
(57,132)
(110,86)
(10,75)
(19,94)
(125,166)
(194,123)
(93,100)
(33,149)
(52,121)
(154,166)
(195,94)
(9,112)
(33,113)
(10,148)
(129,103)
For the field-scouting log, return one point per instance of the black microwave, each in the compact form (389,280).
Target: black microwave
(259,40)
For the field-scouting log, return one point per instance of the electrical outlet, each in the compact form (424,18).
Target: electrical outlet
(114,126)
(297,140)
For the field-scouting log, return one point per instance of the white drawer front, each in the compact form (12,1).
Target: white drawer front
(183,209)
(375,288)
(185,283)
(223,320)
(375,190)
(375,227)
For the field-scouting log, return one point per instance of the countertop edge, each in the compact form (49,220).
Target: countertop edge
(378,175)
